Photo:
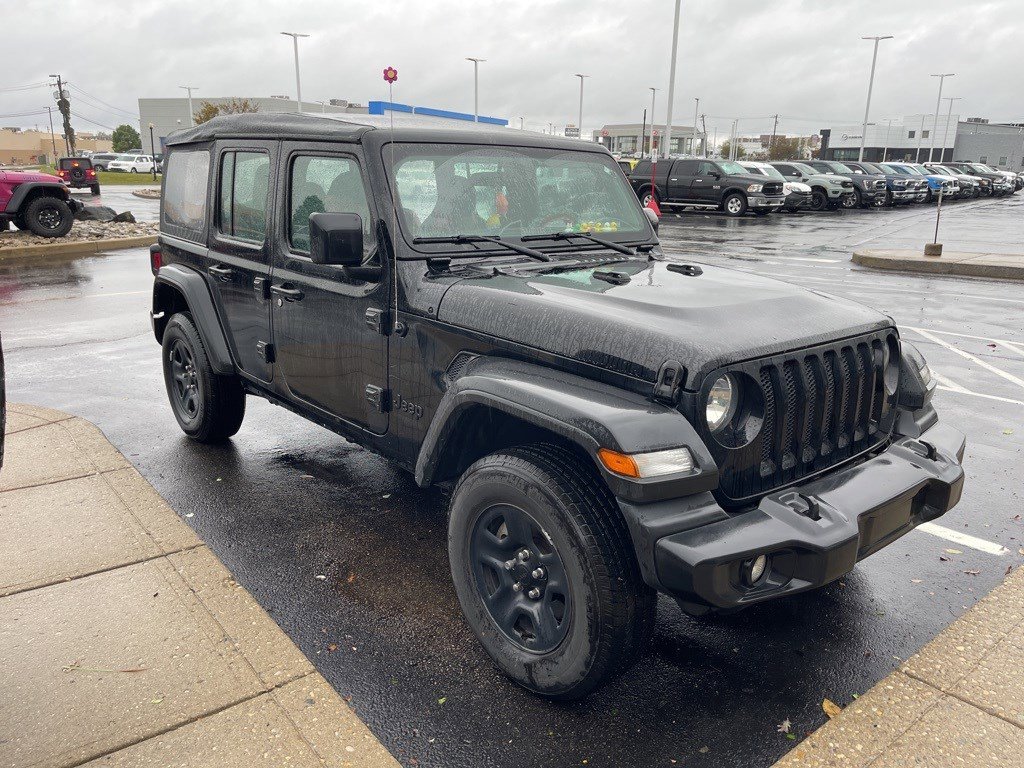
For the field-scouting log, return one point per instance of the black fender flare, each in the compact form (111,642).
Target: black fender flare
(25,188)
(588,413)
(196,292)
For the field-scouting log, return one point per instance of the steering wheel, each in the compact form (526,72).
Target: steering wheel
(568,218)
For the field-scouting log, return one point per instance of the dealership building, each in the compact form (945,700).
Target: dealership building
(910,139)
(635,139)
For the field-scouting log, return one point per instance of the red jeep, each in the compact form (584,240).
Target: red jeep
(36,201)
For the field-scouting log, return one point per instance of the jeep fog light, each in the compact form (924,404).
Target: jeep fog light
(721,403)
(643,465)
(753,570)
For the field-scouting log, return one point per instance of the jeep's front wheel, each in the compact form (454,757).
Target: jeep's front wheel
(545,571)
(209,407)
(48,217)
(735,204)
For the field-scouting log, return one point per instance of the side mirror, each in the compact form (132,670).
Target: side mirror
(653,218)
(715,175)
(336,238)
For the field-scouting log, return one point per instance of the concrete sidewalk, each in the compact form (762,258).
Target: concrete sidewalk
(999,266)
(958,702)
(125,642)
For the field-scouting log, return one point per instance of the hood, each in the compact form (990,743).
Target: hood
(20,177)
(656,314)
(796,186)
(825,178)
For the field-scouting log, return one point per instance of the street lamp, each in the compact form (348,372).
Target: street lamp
(476,87)
(654,92)
(693,143)
(938,104)
(191,114)
(885,149)
(672,81)
(579,125)
(871,82)
(298,85)
(152,150)
(945,136)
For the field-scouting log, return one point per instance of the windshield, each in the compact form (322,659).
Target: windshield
(872,168)
(982,168)
(766,170)
(906,170)
(732,169)
(450,189)
(807,169)
(840,168)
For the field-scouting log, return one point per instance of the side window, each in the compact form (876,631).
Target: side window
(706,169)
(685,168)
(184,196)
(242,197)
(326,185)
(643,168)
(786,170)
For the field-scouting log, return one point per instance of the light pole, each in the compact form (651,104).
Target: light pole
(191,114)
(693,142)
(522,123)
(885,149)
(938,104)
(579,124)
(654,92)
(476,87)
(298,84)
(871,82)
(671,81)
(152,149)
(945,136)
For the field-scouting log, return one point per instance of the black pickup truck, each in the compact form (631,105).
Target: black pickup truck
(493,311)
(719,184)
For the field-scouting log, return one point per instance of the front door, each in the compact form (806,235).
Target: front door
(706,184)
(239,264)
(329,326)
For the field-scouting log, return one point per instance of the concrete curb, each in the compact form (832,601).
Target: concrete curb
(77,248)
(124,641)
(958,701)
(990,265)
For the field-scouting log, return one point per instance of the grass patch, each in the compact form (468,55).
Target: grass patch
(115,177)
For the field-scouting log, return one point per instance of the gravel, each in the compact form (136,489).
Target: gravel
(81,231)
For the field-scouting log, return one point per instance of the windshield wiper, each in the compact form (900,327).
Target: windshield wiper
(584,236)
(458,239)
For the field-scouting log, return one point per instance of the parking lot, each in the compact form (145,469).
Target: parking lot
(349,556)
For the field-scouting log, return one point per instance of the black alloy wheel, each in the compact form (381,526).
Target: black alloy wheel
(184,382)
(48,217)
(852,201)
(819,200)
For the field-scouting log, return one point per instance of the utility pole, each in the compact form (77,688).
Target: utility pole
(643,133)
(693,141)
(704,130)
(672,81)
(64,105)
(53,139)
(945,136)
(885,149)
(920,138)
(476,87)
(191,114)
(298,84)
(871,82)
(771,139)
(654,92)
(938,104)
(522,123)
(580,124)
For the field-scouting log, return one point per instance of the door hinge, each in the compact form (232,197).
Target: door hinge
(670,379)
(261,286)
(266,351)
(378,397)
(377,319)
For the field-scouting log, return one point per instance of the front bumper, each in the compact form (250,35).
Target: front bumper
(797,201)
(762,201)
(904,195)
(812,533)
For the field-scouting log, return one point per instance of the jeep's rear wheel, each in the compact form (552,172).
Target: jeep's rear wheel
(48,217)
(209,407)
(735,204)
(545,571)
(95,189)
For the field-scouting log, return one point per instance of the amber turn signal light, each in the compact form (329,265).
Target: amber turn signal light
(619,463)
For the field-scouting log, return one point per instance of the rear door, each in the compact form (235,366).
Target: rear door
(239,259)
(329,326)
(706,186)
(679,178)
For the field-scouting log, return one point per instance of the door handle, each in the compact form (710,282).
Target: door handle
(221,273)
(287,292)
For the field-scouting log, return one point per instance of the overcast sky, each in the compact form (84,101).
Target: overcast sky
(744,58)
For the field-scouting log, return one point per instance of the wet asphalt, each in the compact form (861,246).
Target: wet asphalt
(348,555)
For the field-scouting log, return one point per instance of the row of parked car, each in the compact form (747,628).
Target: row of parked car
(125,162)
(817,185)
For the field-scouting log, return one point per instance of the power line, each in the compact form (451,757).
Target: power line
(101,101)
(23,87)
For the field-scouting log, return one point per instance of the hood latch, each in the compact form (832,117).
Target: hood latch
(669,382)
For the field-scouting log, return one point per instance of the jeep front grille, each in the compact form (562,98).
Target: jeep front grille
(817,408)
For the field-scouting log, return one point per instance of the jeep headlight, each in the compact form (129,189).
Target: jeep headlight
(755,188)
(721,402)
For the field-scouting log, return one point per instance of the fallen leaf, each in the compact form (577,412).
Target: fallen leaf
(156,701)
(351,578)
(785,726)
(703,750)
(442,700)
(332,647)
(953,552)
(943,559)
(831,708)
(791,736)
(1007,431)
(1020,551)
(320,576)
(386,496)
(306,477)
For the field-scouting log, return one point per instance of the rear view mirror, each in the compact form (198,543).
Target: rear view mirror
(653,218)
(336,238)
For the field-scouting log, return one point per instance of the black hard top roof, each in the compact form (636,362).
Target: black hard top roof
(354,127)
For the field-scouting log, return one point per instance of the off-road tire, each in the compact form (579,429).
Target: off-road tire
(738,209)
(218,404)
(43,209)
(611,611)
(95,189)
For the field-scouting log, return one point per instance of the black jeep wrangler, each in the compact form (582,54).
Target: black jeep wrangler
(492,310)
(719,184)
(78,173)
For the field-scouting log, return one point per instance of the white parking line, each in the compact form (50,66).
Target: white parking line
(948,385)
(976,360)
(1010,345)
(963,539)
(805,258)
